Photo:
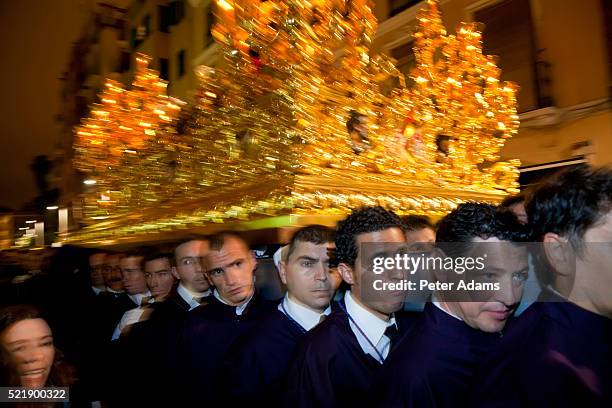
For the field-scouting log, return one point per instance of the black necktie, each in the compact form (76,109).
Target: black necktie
(391,332)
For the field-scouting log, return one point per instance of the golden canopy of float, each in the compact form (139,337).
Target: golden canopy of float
(298,125)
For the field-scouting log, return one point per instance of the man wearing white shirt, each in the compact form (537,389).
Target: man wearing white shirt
(336,363)
(193,287)
(136,288)
(259,360)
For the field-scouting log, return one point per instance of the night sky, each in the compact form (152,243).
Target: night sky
(35,46)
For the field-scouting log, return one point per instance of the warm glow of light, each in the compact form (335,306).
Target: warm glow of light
(225,5)
(52,207)
(30,222)
(89,182)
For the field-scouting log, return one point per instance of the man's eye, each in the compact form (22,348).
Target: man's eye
(216,272)
(521,276)
(147,275)
(308,264)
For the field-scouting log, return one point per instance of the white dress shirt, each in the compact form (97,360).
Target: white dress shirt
(372,326)
(133,315)
(96,291)
(239,309)
(190,297)
(137,298)
(305,317)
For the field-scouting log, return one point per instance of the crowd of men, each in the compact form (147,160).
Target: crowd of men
(192,327)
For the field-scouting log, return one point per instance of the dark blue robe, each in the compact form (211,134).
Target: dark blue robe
(259,360)
(330,369)
(433,365)
(207,335)
(557,354)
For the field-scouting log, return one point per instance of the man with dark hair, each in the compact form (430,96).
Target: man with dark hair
(114,302)
(234,309)
(558,353)
(96,272)
(157,268)
(434,363)
(516,204)
(419,228)
(255,370)
(336,362)
(193,288)
(135,285)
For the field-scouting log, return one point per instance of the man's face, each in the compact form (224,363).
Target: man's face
(96,269)
(134,280)
(230,270)
(506,264)
(423,235)
(370,246)
(307,276)
(158,274)
(593,266)
(189,268)
(112,273)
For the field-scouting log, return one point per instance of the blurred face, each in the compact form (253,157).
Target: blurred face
(230,270)
(519,211)
(158,274)
(30,345)
(422,235)
(96,268)
(593,271)
(112,273)
(506,264)
(134,280)
(307,276)
(361,276)
(189,269)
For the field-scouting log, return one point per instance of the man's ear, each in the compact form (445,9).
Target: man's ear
(210,282)
(282,272)
(347,273)
(435,273)
(175,273)
(558,254)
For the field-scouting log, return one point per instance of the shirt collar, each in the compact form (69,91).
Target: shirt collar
(437,304)
(109,290)
(137,298)
(189,296)
(239,309)
(305,317)
(373,326)
(96,290)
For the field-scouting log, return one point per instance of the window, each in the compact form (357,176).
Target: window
(209,21)
(146,25)
(124,63)
(180,63)
(165,18)
(178,11)
(164,68)
(397,6)
(509,34)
